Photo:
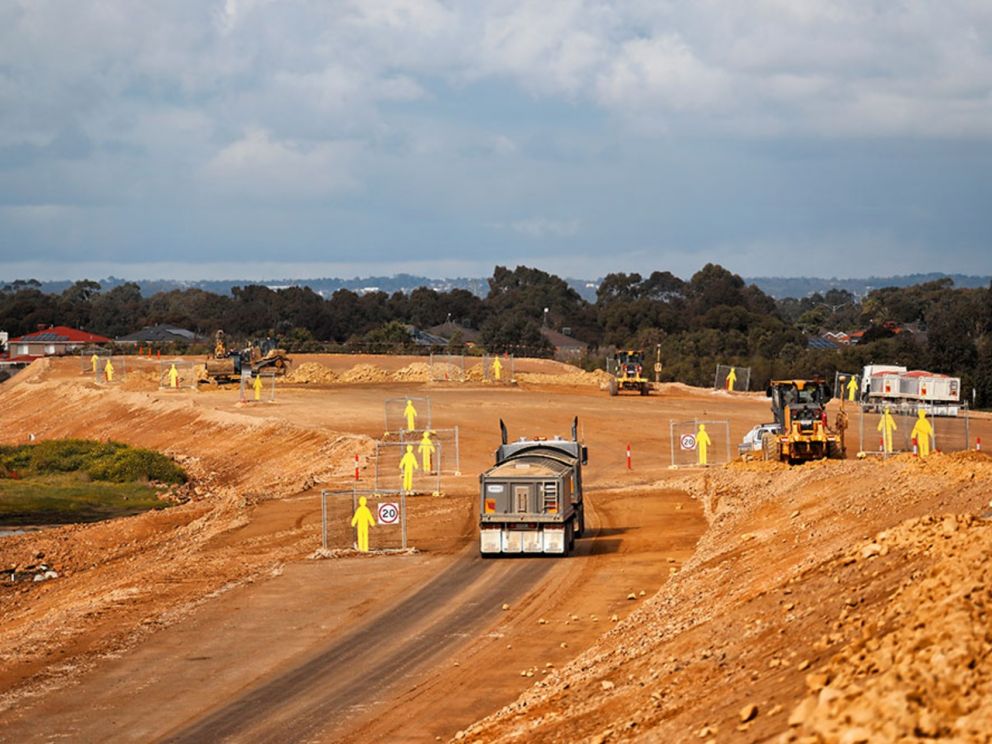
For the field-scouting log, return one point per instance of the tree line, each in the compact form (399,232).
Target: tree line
(713,317)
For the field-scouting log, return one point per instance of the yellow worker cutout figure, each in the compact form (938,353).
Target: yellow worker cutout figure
(173,376)
(923,432)
(497,369)
(257,387)
(427,450)
(108,371)
(852,388)
(361,521)
(408,463)
(887,425)
(411,416)
(731,379)
(702,444)
(93,360)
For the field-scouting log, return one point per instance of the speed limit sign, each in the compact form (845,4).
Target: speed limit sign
(688,441)
(389,513)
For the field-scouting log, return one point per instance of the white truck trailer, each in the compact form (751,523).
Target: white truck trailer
(889,385)
(531,499)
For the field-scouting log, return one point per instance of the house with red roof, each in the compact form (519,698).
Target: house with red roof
(52,341)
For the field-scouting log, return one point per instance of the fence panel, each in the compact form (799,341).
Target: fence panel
(495,369)
(732,379)
(388,509)
(447,458)
(257,388)
(447,368)
(108,370)
(407,414)
(843,389)
(389,469)
(689,445)
(176,374)
(891,432)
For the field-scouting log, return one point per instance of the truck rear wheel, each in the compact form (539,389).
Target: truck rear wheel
(771,448)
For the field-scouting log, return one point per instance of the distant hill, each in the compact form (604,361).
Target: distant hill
(777,287)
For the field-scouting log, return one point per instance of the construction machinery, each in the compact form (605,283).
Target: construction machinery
(531,499)
(628,373)
(799,408)
(226,365)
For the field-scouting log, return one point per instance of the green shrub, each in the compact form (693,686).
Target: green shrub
(129,464)
(105,461)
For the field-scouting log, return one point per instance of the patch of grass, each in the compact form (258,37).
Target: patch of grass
(103,461)
(67,498)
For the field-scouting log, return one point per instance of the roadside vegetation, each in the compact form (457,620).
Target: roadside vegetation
(76,480)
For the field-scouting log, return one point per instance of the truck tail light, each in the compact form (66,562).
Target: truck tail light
(490,506)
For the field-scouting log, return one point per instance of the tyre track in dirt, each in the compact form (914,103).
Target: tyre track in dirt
(299,704)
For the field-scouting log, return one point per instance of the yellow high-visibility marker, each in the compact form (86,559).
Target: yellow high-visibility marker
(411,416)
(361,521)
(427,450)
(702,445)
(497,369)
(887,425)
(408,463)
(93,360)
(852,388)
(108,371)
(173,376)
(922,432)
(731,379)
(257,386)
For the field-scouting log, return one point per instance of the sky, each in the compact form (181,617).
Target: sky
(210,139)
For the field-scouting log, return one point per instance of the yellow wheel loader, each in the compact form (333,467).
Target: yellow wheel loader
(799,407)
(628,373)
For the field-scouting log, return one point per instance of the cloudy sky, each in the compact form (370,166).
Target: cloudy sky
(289,138)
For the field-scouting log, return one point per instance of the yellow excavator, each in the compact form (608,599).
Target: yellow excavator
(225,365)
(799,407)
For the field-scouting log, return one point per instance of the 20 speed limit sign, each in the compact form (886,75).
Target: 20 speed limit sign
(389,513)
(688,441)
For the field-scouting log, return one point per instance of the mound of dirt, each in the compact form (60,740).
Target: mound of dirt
(446,372)
(364,373)
(415,372)
(598,378)
(311,373)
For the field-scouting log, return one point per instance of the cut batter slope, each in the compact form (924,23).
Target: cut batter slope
(120,576)
(791,587)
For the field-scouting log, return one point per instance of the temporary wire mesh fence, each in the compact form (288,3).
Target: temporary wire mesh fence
(498,369)
(447,367)
(890,432)
(388,509)
(176,374)
(448,456)
(699,443)
(258,387)
(390,469)
(732,379)
(407,414)
(843,390)
(109,370)
(86,360)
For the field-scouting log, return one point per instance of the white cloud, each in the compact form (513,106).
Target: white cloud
(542,227)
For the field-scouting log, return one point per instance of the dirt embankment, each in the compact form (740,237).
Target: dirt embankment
(828,598)
(147,570)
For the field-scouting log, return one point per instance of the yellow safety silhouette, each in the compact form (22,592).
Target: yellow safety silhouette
(887,425)
(411,416)
(361,521)
(497,369)
(408,463)
(923,432)
(427,450)
(173,376)
(731,379)
(257,386)
(852,388)
(108,371)
(702,444)
(93,360)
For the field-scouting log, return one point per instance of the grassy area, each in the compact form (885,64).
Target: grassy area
(77,480)
(63,499)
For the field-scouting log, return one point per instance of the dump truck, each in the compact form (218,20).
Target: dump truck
(226,365)
(628,373)
(799,408)
(531,499)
